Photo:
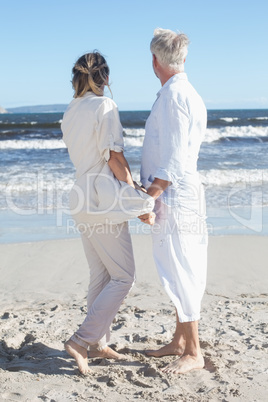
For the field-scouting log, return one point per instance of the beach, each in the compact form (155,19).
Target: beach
(43,300)
(44,274)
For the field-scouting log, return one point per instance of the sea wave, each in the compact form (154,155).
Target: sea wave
(135,137)
(58,180)
(234,133)
(32,144)
(258,118)
(133,142)
(229,119)
(48,190)
(37,182)
(220,177)
(134,132)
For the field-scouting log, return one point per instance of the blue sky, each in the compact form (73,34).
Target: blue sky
(40,41)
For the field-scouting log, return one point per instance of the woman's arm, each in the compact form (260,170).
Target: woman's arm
(120,168)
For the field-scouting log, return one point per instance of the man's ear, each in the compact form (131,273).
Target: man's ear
(155,61)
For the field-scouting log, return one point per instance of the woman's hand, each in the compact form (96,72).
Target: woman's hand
(149,218)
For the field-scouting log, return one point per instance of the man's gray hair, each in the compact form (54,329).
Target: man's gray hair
(170,48)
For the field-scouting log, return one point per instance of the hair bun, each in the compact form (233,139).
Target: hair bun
(82,69)
(90,73)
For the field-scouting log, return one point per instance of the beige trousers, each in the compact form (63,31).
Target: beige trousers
(109,253)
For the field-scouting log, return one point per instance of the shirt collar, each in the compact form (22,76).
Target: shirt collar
(88,93)
(174,78)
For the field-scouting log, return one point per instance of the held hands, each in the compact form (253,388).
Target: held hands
(149,218)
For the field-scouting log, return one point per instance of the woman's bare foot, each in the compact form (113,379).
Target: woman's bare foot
(106,353)
(79,354)
(184,364)
(167,350)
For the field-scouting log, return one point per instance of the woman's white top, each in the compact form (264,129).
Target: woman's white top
(91,128)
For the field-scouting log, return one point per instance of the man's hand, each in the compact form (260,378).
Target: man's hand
(138,187)
(148,218)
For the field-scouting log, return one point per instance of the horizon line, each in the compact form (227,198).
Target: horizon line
(123,109)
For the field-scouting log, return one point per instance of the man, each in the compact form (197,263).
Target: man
(173,135)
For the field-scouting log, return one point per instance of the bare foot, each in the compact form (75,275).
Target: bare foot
(167,350)
(106,352)
(184,364)
(79,354)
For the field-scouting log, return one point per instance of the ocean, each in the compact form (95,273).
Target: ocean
(37,174)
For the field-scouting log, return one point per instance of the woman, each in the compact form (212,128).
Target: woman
(93,134)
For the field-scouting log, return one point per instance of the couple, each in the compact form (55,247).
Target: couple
(173,134)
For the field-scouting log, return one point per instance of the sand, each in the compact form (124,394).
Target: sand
(43,300)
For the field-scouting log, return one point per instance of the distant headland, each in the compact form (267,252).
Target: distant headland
(60,108)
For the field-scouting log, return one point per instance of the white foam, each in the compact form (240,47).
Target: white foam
(133,141)
(229,119)
(32,144)
(134,132)
(217,177)
(48,181)
(50,189)
(134,137)
(38,183)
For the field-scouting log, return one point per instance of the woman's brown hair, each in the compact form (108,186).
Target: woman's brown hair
(90,73)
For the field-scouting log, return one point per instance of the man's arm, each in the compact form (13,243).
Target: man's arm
(120,168)
(157,187)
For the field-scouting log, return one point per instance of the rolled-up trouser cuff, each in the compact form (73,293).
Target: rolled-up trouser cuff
(99,346)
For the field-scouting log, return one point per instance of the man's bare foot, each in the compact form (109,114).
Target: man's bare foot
(106,353)
(167,350)
(184,364)
(79,354)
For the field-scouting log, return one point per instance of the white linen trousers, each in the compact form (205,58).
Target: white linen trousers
(109,253)
(180,253)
